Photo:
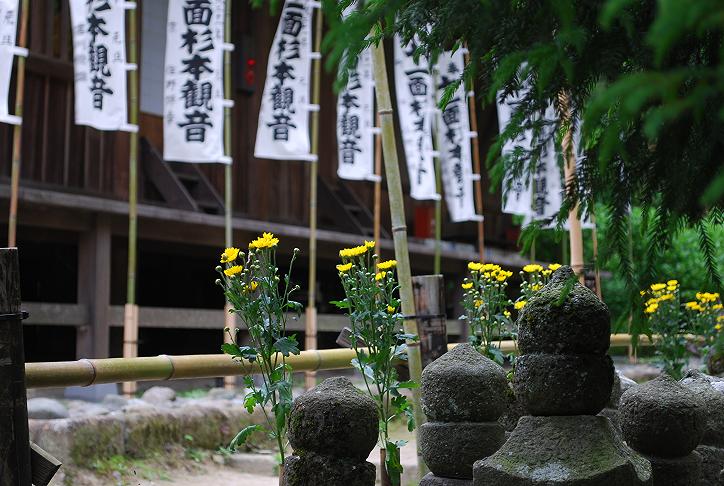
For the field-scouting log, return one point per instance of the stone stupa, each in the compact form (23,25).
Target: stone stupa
(563,378)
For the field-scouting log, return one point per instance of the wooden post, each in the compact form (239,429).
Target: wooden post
(478,184)
(94,289)
(597,274)
(310,334)
(14,436)
(229,318)
(431,320)
(130,314)
(18,129)
(399,230)
(574,222)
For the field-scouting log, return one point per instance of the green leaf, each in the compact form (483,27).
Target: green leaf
(246,352)
(242,436)
(287,345)
(250,402)
(340,304)
(408,384)
(392,463)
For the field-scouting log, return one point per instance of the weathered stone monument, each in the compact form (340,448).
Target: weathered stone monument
(711,448)
(664,421)
(332,429)
(563,378)
(463,395)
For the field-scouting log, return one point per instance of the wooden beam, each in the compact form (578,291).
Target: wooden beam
(94,289)
(14,438)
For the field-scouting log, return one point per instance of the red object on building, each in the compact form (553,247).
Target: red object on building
(424,221)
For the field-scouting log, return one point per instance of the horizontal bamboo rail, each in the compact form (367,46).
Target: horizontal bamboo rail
(86,372)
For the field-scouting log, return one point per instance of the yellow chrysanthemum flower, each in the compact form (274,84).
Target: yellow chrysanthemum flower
(353,252)
(229,255)
(720,318)
(506,313)
(387,264)
(475,266)
(231,271)
(672,283)
(651,309)
(520,304)
(501,277)
(467,286)
(380,275)
(266,240)
(642,292)
(536,287)
(693,305)
(490,267)
(718,327)
(370,244)
(344,268)
(717,307)
(666,297)
(658,286)
(252,286)
(671,288)
(478,303)
(554,266)
(390,309)
(532,268)
(546,272)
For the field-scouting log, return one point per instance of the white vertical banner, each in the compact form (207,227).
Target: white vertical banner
(415,107)
(355,120)
(193,121)
(99,61)
(283,125)
(454,136)
(8,30)
(517,198)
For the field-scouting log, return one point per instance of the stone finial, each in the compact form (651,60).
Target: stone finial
(564,317)
(463,386)
(334,418)
(332,429)
(662,418)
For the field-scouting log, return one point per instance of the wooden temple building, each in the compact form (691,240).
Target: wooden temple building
(73,210)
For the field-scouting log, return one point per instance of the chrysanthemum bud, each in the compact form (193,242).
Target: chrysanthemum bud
(218,268)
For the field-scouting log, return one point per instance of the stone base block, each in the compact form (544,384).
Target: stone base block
(566,450)
(558,384)
(450,449)
(431,480)
(312,469)
(677,471)
(712,465)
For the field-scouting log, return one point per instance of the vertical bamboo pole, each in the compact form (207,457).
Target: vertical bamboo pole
(310,334)
(399,230)
(478,184)
(574,222)
(378,189)
(438,174)
(597,272)
(18,129)
(130,314)
(229,318)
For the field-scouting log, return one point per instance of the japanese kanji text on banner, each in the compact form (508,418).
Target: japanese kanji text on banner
(99,61)
(283,126)
(8,29)
(455,154)
(194,82)
(415,105)
(355,120)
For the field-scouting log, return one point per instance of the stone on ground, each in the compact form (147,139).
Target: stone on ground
(431,480)
(312,469)
(159,395)
(46,408)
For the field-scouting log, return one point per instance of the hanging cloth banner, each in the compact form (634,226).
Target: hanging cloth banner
(8,51)
(355,120)
(99,61)
(193,125)
(455,152)
(283,125)
(413,86)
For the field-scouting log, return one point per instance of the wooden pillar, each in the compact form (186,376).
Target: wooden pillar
(14,436)
(94,289)
(431,320)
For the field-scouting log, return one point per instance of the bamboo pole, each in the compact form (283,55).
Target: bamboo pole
(574,222)
(399,230)
(377,222)
(86,372)
(478,183)
(130,317)
(310,334)
(596,270)
(18,129)
(437,159)
(229,318)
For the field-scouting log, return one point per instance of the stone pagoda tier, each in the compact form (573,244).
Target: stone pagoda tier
(563,378)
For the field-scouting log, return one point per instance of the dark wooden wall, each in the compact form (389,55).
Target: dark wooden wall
(59,154)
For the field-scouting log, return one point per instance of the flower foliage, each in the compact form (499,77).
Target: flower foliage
(486,308)
(262,302)
(378,340)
